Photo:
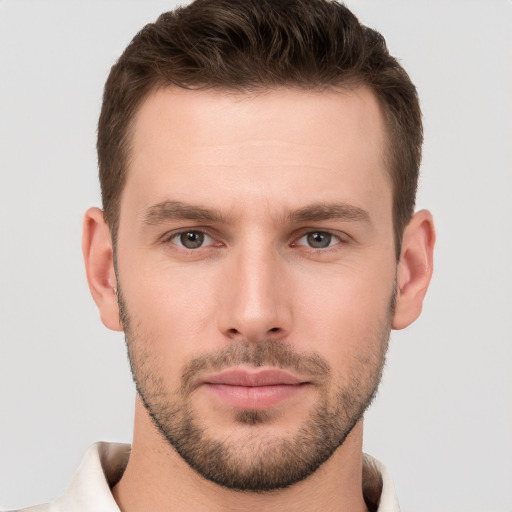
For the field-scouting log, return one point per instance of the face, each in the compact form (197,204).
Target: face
(256,275)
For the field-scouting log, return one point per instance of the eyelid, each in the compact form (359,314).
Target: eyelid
(170,236)
(341,237)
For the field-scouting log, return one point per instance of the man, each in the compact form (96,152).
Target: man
(258,165)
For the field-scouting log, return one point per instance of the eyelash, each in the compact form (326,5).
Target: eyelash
(331,237)
(176,236)
(338,238)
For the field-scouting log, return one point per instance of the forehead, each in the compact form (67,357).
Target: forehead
(274,145)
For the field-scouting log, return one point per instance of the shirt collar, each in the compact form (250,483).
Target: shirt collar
(104,464)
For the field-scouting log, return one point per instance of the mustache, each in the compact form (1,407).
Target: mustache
(271,353)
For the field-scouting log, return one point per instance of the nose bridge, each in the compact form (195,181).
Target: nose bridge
(256,306)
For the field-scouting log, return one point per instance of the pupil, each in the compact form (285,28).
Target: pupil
(192,239)
(319,240)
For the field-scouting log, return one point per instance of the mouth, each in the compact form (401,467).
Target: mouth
(254,389)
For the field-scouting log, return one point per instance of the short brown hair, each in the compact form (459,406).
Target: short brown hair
(249,45)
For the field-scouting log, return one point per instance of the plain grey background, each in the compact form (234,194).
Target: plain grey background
(443,420)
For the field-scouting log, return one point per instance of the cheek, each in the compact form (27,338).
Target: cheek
(346,313)
(171,313)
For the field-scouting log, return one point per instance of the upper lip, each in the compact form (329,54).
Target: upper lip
(253,377)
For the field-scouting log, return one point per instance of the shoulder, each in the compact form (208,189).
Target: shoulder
(89,489)
(46,507)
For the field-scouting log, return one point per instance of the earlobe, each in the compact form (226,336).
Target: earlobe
(99,267)
(414,269)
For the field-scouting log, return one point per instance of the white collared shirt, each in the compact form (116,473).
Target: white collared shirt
(103,466)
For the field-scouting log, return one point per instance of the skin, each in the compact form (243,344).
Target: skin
(258,161)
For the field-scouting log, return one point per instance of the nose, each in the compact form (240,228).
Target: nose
(257,297)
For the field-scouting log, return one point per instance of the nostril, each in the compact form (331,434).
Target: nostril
(274,329)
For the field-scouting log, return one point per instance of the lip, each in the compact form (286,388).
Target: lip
(254,389)
(253,378)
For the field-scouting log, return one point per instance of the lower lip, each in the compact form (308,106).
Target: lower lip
(256,398)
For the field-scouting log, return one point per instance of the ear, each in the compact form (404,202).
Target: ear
(414,269)
(99,267)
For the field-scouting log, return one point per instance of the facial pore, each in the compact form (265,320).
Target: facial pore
(261,463)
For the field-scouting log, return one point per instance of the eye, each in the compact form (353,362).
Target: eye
(191,239)
(318,239)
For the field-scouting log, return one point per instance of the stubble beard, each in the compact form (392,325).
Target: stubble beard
(260,463)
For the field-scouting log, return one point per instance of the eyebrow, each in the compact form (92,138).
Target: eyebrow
(177,210)
(327,211)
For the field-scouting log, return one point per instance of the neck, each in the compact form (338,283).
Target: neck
(158,479)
